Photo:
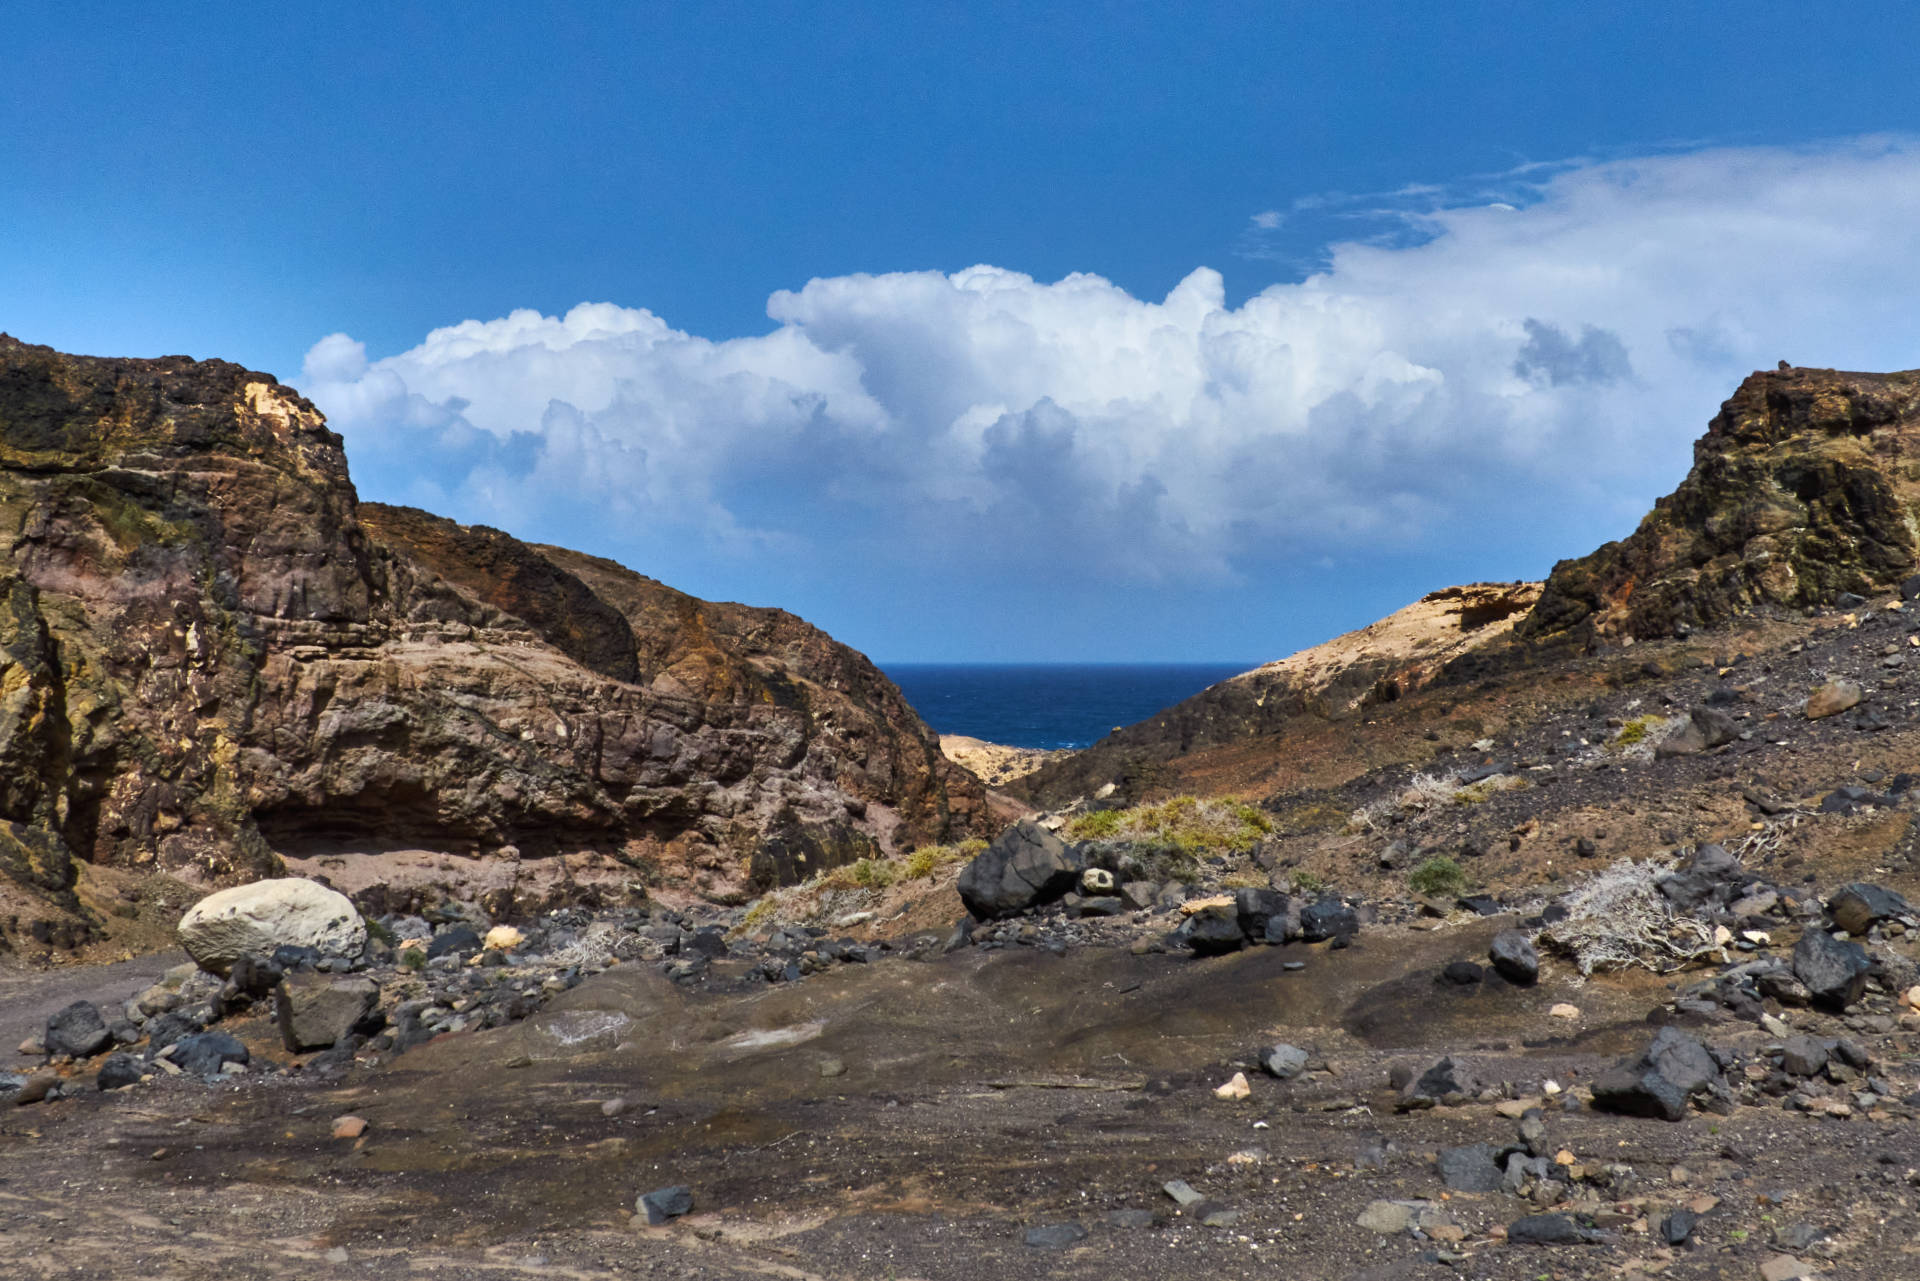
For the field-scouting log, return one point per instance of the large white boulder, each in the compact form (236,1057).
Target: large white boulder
(256,918)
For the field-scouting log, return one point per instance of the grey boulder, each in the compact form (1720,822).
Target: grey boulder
(1283,1062)
(205,1053)
(1513,955)
(316,1011)
(1661,1081)
(1835,973)
(78,1031)
(1025,866)
(1472,1167)
(1857,908)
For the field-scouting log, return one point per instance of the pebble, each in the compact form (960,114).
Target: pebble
(1564,1011)
(1182,1192)
(1055,1236)
(662,1204)
(349,1127)
(1236,1088)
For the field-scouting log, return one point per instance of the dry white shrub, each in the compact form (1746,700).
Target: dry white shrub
(1429,791)
(1620,919)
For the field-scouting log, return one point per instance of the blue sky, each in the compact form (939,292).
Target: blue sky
(1285,313)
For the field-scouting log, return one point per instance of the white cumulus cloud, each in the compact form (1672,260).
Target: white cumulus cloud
(1514,367)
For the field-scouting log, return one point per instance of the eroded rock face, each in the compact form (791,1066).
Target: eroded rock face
(212,656)
(1801,490)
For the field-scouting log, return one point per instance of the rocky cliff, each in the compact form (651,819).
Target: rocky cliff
(214,657)
(1805,486)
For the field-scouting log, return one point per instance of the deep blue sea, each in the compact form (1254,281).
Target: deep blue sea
(1048,704)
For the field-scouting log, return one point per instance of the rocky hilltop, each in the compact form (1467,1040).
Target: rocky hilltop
(1805,487)
(1804,493)
(217,659)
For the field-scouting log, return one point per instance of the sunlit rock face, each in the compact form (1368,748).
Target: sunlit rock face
(214,658)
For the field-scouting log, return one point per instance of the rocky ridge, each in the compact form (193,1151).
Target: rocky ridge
(216,657)
(1804,495)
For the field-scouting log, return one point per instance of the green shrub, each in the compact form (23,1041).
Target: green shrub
(1185,824)
(1438,877)
(1306,882)
(1636,730)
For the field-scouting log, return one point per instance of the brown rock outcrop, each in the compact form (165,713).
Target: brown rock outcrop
(1806,485)
(212,655)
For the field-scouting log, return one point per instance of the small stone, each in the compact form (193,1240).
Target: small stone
(1831,699)
(1055,1236)
(1182,1192)
(666,1203)
(1548,1229)
(1802,1056)
(1235,1088)
(349,1127)
(118,1072)
(1677,1228)
(1130,1218)
(1283,1061)
(832,1067)
(613,1107)
(1784,1267)
(1562,1010)
(503,938)
(1388,1218)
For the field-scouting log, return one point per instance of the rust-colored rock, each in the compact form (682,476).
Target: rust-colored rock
(213,657)
(1805,486)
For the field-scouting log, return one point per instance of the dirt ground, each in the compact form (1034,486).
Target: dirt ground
(914,1119)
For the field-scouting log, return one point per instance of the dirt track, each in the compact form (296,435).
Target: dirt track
(982,1094)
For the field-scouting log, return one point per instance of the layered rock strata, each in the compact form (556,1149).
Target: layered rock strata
(213,657)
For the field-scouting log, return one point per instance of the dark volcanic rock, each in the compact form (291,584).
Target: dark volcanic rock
(1835,973)
(1025,865)
(1513,955)
(1473,1167)
(205,1053)
(118,1072)
(221,655)
(316,1011)
(1549,1229)
(1859,907)
(1327,918)
(1445,1080)
(78,1031)
(1661,1081)
(456,940)
(1257,910)
(1214,931)
(663,1204)
(1792,500)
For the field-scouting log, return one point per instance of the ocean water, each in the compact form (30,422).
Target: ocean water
(1048,705)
